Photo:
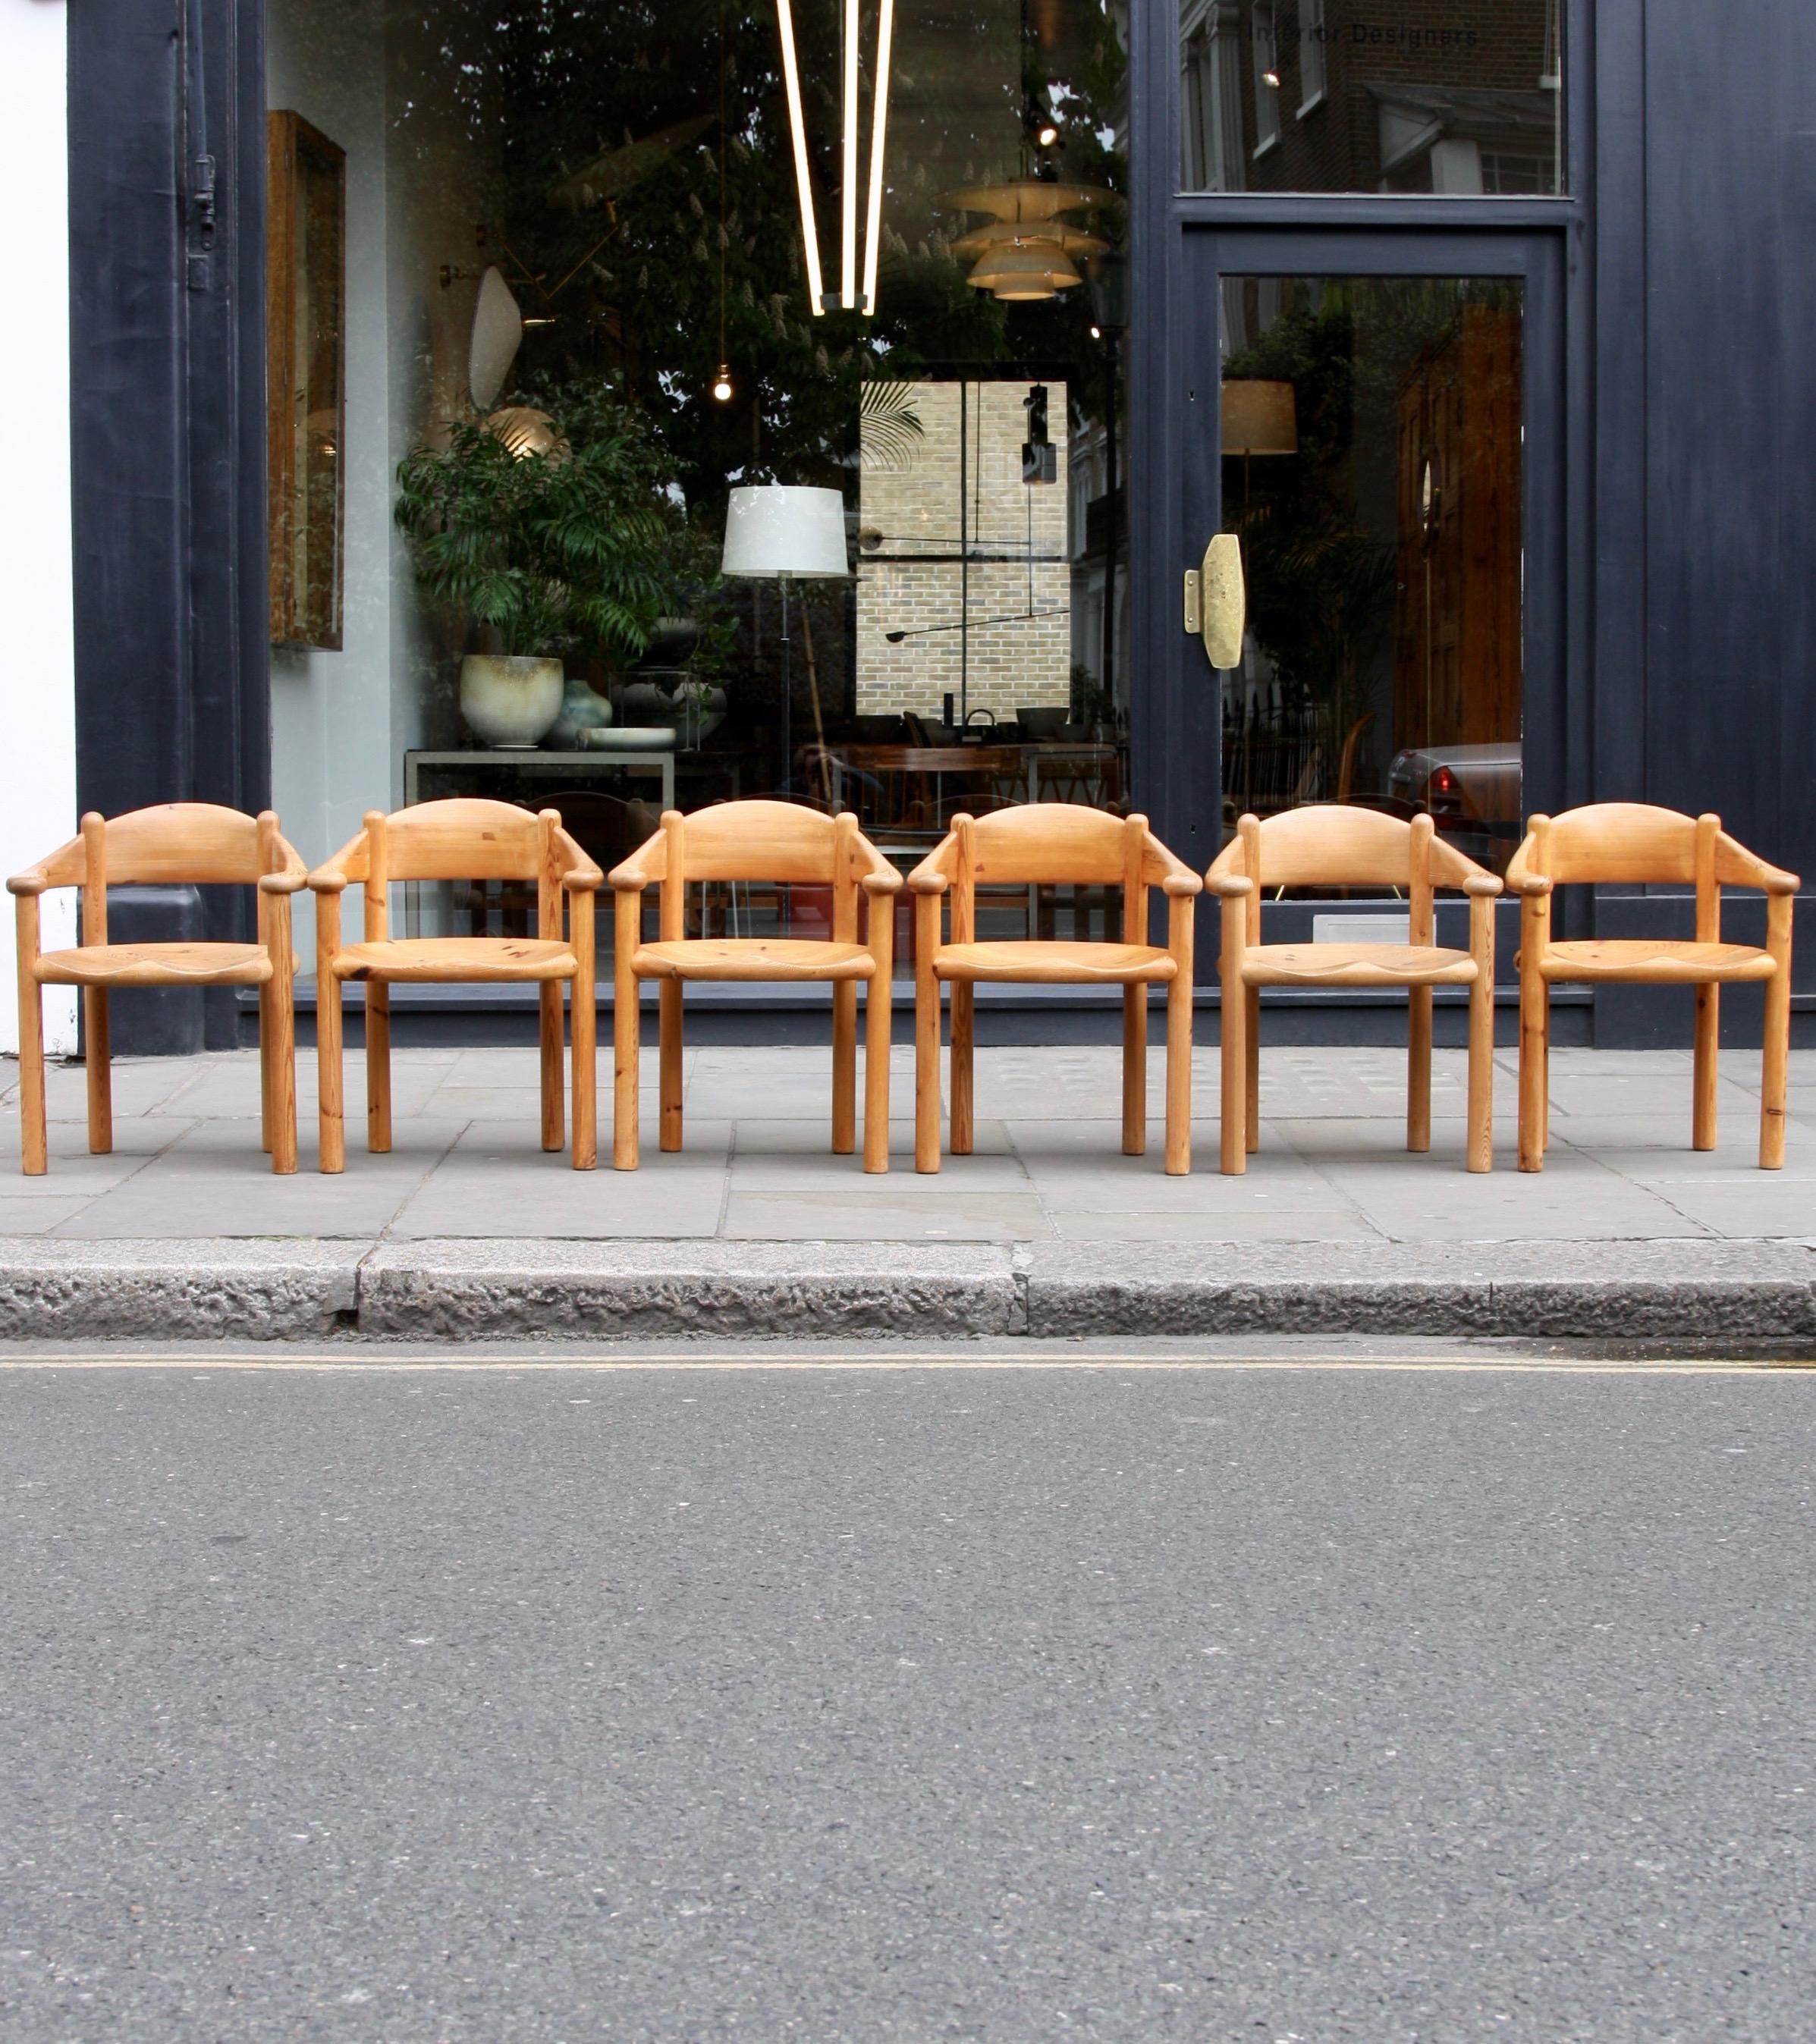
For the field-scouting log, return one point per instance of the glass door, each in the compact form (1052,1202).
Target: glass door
(1377,425)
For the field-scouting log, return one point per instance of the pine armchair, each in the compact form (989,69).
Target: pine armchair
(1333,845)
(1633,842)
(185,843)
(1052,844)
(789,844)
(458,839)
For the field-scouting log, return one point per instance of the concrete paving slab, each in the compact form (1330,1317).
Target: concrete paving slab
(218,1182)
(1208,1230)
(498,1181)
(140,1085)
(884,1212)
(228,1085)
(40,1213)
(760,1165)
(1104,1181)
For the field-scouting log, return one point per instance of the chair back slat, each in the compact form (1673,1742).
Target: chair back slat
(1612,842)
(463,838)
(760,841)
(1054,844)
(198,841)
(1329,844)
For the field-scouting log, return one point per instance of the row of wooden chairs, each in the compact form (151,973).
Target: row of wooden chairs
(786,844)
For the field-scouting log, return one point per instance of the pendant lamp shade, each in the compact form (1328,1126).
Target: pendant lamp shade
(1029,270)
(774,529)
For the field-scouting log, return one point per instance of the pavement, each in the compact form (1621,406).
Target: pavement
(468,1228)
(1111,1693)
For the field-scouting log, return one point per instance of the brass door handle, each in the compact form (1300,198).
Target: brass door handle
(1216,601)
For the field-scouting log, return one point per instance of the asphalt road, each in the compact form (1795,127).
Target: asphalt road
(912,1703)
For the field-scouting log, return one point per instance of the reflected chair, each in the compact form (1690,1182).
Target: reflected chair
(181,843)
(1330,845)
(1632,842)
(460,839)
(787,844)
(1051,845)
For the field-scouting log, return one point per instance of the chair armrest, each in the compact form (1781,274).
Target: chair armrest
(583,879)
(324,880)
(1230,885)
(1182,885)
(649,861)
(1532,884)
(927,878)
(889,882)
(1484,884)
(34,880)
(282,883)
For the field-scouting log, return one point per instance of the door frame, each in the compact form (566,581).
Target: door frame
(1181,710)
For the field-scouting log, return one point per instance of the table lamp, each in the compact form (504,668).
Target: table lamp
(777,532)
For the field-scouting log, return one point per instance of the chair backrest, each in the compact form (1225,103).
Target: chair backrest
(756,841)
(198,843)
(460,839)
(1336,844)
(1634,842)
(1051,844)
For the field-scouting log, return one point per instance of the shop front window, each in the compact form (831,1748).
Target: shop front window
(1457,96)
(1372,449)
(578,312)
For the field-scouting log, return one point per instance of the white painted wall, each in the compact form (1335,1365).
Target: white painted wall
(37,675)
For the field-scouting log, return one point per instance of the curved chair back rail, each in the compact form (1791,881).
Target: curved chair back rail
(461,839)
(1051,845)
(1337,845)
(787,844)
(194,843)
(1637,844)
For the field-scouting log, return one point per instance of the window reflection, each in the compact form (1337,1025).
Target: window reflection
(1372,447)
(1461,97)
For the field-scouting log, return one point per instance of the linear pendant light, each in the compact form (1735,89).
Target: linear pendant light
(797,128)
(849,296)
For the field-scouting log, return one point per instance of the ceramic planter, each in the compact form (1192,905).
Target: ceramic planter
(509,700)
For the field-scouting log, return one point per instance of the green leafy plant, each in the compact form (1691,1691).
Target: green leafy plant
(577,544)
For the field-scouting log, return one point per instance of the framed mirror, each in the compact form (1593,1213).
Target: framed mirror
(306,378)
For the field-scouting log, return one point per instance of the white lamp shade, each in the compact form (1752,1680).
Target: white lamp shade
(776,529)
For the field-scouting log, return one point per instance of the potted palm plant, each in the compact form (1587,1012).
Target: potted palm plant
(542,533)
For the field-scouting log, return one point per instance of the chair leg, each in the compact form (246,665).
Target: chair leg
(1251,1072)
(1418,1069)
(1481,1133)
(1708,1035)
(1544,1068)
(1777,1057)
(1134,1070)
(100,1072)
(378,1067)
(878,1008)
(328,1060)
(668,1059)
(845,1067)
(926,1037)
(550,1033)
(34,1146)
(626,1053)
(964,1039)
(1535,1004)
(584,1026)
(1178,1076)
(266,1102)
(277,1054)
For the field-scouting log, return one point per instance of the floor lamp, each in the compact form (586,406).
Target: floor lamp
(777,533)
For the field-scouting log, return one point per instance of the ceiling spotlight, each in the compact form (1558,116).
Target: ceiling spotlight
(1047,134)
(1271,77)
(722,385)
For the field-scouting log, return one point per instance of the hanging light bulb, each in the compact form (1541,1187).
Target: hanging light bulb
(722,384)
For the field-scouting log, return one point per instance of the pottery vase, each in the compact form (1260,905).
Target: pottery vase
(581,709)
(509,700)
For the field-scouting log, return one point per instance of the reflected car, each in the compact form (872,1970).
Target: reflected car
(1472,792)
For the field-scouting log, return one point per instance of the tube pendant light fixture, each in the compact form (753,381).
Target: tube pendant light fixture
(851,296)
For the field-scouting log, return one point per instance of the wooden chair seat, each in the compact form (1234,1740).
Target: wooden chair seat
(1047,962)
(457,959)
(1355,964)
(1655,961)
(753,958)
(156,965)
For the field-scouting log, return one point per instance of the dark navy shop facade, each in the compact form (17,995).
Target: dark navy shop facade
(1485,324)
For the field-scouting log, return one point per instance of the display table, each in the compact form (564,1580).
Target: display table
(533,759)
